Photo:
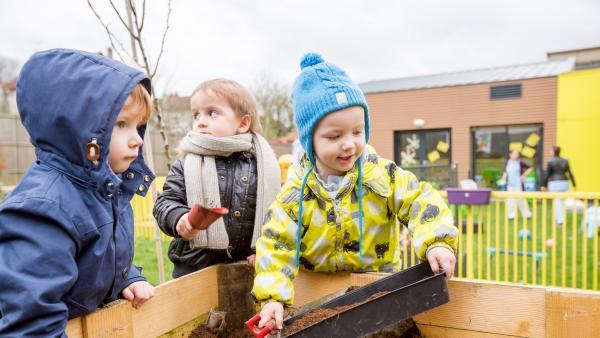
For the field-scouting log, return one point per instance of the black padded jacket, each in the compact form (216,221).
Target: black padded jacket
(237,188)
(557,170)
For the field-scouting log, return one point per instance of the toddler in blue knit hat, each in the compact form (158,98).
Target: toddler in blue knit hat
(340,206)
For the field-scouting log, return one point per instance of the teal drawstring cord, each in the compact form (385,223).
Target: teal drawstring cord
(299,231)
(360,212)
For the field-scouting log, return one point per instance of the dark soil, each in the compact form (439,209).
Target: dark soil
(203,332)
(321,314)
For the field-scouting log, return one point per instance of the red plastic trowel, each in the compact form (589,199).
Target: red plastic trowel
(201,218)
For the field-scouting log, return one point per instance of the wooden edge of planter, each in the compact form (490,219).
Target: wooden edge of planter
(477,308)
(175,303)
(186,329)
(571,312)
(494,309)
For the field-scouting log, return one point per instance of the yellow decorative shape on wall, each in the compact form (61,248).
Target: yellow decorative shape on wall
(515,146)
(433,156)
(532,140)
(528,152)
(442,147)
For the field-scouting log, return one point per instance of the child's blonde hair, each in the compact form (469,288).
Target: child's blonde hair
(140,98)
(237,97)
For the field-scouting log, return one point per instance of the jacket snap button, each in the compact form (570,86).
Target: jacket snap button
(142,187)
(245,179)
(109,195)
(146,178)
(125,273)
(130,175)
(236,213)
(110,185)
(222,178)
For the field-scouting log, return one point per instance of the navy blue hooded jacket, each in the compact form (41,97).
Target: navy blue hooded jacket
(66,230)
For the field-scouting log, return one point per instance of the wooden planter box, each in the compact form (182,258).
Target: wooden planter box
(477,309)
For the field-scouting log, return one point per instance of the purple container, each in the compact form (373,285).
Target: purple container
(460,196)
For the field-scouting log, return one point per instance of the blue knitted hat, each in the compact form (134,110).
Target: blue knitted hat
(320,89)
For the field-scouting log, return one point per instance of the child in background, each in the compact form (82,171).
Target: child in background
(66,230)
(339,206)
(514,175)
(227,164)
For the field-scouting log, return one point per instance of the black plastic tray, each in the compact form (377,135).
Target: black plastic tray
(409,292)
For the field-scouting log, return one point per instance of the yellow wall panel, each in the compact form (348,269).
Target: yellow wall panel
(578,125)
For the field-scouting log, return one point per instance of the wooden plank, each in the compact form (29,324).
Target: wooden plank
(74,328)
(431,331)
(235,283)
(177,302)
(310,286)
(480,306)
(572,313)
(174,304)
(112,321)
(186,329)
(360,279)
(491,307)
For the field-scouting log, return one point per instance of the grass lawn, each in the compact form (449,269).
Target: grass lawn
(569,262)
(565,264)
(145,256)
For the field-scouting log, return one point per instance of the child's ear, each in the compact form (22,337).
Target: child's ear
(245,122)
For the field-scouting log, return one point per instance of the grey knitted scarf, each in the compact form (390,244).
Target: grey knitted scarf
(202,185)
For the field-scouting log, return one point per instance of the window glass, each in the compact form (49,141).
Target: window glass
(492,145)
(427,154)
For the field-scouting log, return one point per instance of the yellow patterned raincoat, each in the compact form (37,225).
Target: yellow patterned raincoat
(330,225)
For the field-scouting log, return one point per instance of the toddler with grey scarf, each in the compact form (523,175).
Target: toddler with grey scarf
(225,163)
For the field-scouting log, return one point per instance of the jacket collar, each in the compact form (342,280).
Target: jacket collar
(374,178)
(136,180)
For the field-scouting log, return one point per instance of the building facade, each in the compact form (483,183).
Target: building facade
(453,126)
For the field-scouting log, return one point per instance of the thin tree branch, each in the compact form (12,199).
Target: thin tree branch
(135,16)
(162,44)
(111,36)
(151,75)
(121,19)
(145,64)
(143,14)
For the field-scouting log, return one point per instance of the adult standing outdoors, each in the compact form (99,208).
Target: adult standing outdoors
(514,174)
(556,181)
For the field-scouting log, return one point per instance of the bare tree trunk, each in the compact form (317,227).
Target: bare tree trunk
(150,158)
(134,27)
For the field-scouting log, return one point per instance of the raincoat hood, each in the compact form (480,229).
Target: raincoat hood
(69,98)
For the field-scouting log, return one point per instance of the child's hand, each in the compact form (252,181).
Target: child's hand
(185,229)
(442,257)
(271,311)
(138,292)
(251,259)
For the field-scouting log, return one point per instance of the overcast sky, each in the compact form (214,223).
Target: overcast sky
(376,39)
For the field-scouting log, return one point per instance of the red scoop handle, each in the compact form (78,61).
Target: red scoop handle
(259,333)
(201,218)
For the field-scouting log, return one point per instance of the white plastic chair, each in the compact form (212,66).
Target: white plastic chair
(468,184)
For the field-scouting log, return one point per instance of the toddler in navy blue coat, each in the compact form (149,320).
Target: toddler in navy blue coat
(66,230)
